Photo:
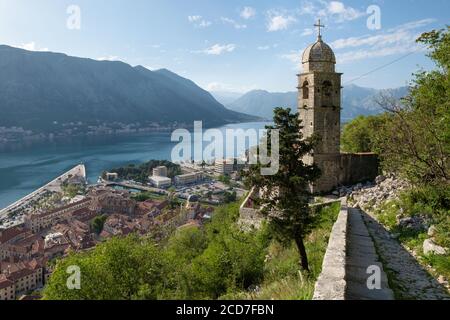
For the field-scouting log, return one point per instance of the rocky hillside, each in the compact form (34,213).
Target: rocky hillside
(422,233)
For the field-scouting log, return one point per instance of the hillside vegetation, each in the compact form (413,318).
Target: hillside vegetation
(413,141)
(218,261)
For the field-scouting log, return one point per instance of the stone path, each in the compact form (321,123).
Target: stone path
(408,278)
(361,254)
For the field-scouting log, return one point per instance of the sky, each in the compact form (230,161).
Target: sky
(233,45)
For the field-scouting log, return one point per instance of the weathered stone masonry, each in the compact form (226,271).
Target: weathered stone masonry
(319,105)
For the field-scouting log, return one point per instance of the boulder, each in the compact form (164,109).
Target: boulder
(415,223)
(442,280)
(380,179)
(429,247)
(432,231)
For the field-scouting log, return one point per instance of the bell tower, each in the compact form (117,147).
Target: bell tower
(319,104)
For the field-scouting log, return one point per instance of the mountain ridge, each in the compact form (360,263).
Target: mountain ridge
(355,101)
(41,89)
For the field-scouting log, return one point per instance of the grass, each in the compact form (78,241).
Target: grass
(283,279)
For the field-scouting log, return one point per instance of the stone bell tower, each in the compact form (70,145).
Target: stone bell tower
(319,104)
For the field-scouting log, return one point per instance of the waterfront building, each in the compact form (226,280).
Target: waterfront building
(224,166)
(112,176)
(188,178)
(160,181)
(160,171)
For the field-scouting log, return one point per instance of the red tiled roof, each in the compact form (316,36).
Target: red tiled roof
(14,276)
(8,234)
(5,283)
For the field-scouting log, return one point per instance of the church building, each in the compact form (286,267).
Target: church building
(319,106)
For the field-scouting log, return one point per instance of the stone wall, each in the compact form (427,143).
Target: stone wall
(358,167)
(331,284)
(249,216)
(345,169)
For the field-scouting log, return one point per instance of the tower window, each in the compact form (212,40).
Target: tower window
(305,89)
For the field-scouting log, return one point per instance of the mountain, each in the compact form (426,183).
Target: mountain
(225,97)
(262,103)
(355,101)
(362,101)
(41,89)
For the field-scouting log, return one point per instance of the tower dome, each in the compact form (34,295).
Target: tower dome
(319,52)
(319,56)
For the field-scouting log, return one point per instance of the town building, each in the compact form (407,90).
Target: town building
(189,178)
(160,171)
(224,166)
(38,221)
(106,201)
(160,181)
(7,289)
(112,176)
(20,278)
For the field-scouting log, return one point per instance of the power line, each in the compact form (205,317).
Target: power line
(384,66)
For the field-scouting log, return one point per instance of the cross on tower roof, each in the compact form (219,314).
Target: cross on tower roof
(318,25)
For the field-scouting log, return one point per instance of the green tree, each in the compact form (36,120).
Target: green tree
(98,223)
(119,269)
(225,179)
(284,196)
(229,197)
(360,134)
(416,139)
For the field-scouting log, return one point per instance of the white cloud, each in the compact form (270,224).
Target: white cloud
(279,21)
(414,24)
(307,7)
(31,46)
(382,52)
(219,49)
(199,22)
(108,58)
(248,12)
(194,18)
(398,40)
(342,13)
(233,23)
(205,24)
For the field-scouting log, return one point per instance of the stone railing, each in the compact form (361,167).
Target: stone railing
(331,284)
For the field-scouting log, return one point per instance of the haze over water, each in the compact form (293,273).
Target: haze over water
(24,169)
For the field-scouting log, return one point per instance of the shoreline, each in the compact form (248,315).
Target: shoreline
(29,141)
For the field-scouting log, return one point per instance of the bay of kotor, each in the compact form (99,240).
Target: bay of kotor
(25,168)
